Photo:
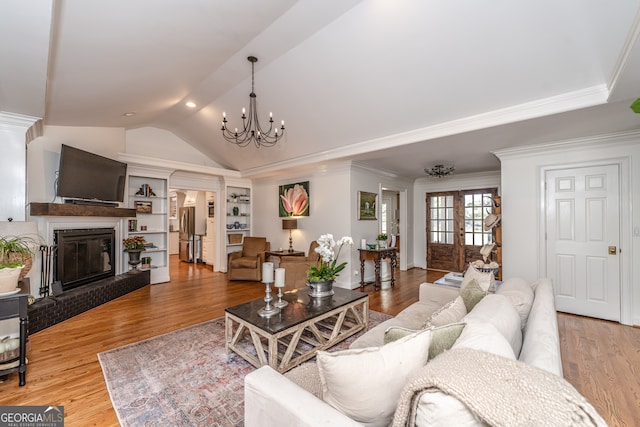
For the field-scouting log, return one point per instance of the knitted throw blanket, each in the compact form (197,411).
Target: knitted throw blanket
(499,391)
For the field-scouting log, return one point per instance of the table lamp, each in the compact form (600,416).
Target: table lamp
(290,224)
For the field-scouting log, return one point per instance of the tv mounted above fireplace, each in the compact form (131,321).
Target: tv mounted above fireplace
(89,177)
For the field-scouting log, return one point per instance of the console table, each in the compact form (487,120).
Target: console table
(12,306)
(376,255)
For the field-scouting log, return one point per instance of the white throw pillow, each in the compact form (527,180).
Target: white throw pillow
(365,384)
(448,313)
(484,337)
(498,310)
(485,280)
(521,296)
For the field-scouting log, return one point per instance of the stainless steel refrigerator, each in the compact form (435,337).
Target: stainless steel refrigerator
(187,234)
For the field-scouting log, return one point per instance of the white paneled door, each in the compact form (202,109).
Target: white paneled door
(583,235)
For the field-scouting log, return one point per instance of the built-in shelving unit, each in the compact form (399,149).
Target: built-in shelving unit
(148,196)
(238,216)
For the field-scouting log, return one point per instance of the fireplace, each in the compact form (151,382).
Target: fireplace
(84,256)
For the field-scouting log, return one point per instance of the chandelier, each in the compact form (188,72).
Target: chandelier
(251,129)
(439,171)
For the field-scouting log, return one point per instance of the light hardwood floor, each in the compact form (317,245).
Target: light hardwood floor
(601,359)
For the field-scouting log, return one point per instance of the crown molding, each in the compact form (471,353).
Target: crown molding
(8,119)
(617,139)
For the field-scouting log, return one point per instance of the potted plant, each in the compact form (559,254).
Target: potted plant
(382,240)
(134,247)
(15,253)
(320,277)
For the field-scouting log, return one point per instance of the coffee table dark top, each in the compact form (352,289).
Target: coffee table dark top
(301,307)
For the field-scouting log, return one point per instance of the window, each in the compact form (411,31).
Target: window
(442,219)
(476,207)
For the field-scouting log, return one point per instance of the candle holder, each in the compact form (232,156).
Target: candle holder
(280,303)
(268,310)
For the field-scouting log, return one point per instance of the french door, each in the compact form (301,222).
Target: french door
(455,231)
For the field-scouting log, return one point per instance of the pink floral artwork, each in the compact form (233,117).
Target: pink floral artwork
(294,199)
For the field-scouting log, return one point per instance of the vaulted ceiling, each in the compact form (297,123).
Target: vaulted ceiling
(396,85)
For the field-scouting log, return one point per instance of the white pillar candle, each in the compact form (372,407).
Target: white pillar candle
(363,244)
(267,272)
(279,278)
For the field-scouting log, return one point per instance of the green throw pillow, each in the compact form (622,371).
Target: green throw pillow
(472,294)
(442,338)
(395,333)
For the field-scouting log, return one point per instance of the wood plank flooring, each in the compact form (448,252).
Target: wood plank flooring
(601,359)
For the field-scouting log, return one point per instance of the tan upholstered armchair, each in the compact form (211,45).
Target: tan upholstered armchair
(295,268)
(247,263)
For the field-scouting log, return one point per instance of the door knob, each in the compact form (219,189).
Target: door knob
(613,250)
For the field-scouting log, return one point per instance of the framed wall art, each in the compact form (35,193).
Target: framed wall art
(367,205)
(294,199)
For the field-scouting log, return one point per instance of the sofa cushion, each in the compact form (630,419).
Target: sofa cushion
(365,384)
(412,317)
(521,296)
(472,294)
(448,313)
(485,280)
(442,338)
(498,310)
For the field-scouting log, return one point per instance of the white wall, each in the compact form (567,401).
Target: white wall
(523,206)
(162,144)
(13,143)
(43,155)
(333,193)
(329,210)
(426,185)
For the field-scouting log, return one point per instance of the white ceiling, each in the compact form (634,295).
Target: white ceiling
(396,85)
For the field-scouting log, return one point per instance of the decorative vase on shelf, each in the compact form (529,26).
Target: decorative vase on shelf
(236,211)
(134,258)
(320,289)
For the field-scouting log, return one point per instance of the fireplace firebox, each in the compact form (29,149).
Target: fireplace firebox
(84,256)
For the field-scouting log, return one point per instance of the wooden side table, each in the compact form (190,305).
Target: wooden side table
(376,255)
(284,253)
(12,306)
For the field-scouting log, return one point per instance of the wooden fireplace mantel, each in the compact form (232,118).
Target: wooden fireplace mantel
(69,209)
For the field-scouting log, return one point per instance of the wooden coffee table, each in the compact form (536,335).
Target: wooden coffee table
(303,327)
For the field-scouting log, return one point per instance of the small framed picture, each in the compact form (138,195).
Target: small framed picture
(367,205)
(143,206)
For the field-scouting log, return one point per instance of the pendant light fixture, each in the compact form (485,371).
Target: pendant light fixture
(251,129)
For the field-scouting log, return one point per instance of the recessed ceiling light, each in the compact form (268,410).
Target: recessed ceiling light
(191,104)
(129,114)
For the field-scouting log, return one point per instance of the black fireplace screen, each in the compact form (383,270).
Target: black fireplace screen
(84,256)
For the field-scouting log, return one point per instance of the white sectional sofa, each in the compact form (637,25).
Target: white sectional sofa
(529,327)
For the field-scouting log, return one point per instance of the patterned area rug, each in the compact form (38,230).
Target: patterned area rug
(183,378)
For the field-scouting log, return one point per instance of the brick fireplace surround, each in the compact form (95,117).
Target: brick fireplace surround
(51,310)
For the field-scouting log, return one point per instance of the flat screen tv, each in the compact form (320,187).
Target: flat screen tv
(87,176)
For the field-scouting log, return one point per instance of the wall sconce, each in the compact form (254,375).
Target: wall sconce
(290,224)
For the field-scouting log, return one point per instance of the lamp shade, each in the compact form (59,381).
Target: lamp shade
(289,224)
